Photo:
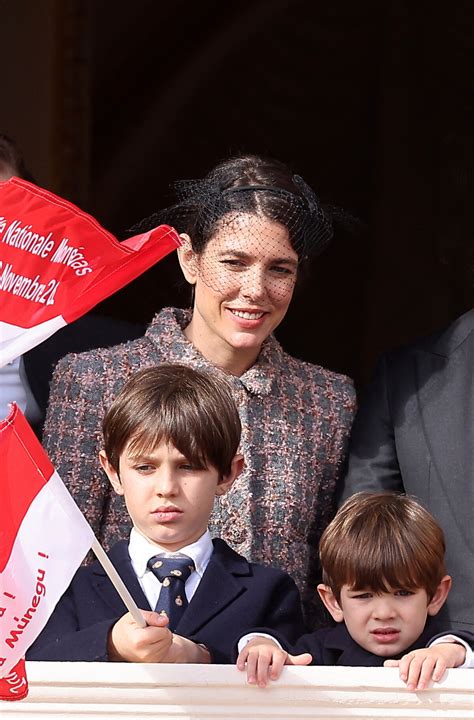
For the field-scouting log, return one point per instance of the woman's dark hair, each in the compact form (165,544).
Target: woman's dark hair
(253,185)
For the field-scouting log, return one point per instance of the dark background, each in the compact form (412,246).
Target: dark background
(371,102)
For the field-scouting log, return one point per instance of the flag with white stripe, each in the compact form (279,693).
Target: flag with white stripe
(57,262)
(43,539)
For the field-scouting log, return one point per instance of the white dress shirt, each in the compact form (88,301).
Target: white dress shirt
(141,550)
(469,659)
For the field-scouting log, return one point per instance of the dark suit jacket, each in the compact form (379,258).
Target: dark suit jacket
(233,596)
(334,645)
(414,432)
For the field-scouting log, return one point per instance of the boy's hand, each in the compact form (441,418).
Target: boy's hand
(265,660)
(131,643)
(183,650)
(419,666)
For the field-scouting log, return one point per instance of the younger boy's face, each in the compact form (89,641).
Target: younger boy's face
(168,500)
(385,624)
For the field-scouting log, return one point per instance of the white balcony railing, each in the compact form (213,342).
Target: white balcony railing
(99,691)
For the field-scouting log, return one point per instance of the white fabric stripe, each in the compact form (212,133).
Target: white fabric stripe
(55,527)
(16,340)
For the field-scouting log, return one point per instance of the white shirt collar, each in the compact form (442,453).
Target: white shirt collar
(141,550)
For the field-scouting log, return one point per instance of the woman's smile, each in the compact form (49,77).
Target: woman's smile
(244,283)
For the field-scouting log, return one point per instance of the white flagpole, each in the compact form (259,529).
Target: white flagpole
(118,583)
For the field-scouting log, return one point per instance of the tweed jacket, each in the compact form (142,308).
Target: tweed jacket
(85,333)
(296,419)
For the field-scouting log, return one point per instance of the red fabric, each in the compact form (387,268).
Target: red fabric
(43,539)
(18,452)
(15,685)
(57,260)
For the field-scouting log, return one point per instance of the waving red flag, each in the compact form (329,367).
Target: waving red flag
(57,262)
(14,686)
(43,539)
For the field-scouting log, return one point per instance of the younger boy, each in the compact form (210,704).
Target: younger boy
(170,445)
(382,559)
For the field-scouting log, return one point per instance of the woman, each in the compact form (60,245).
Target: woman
(245,228)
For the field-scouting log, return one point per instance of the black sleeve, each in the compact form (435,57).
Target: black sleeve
(63,640)
(313,643)
(465,635)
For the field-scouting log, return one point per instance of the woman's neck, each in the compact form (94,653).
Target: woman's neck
(234,361)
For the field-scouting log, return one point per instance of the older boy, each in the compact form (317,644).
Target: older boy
(170,445)
(384,582)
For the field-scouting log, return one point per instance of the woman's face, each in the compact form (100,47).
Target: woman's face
(244,281)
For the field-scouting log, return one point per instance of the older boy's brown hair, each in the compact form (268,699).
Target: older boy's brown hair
(178,405)
(379,541)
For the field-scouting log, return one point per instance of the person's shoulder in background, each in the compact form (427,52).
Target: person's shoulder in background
(86,333)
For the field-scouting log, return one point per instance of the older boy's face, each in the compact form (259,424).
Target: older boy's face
(168,499)
(385,624)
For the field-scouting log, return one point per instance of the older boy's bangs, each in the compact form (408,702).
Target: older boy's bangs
(177,405)
(146,440)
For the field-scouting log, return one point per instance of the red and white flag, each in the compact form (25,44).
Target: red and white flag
(57,262)
(43,539)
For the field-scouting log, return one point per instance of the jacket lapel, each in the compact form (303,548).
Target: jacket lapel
(216,590)
(104,587)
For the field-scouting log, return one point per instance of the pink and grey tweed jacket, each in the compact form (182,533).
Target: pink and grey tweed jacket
(296,419)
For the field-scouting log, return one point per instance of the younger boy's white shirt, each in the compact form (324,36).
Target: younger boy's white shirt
(469,659)
(141,550)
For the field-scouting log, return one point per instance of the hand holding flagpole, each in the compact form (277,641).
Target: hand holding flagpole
(118,583)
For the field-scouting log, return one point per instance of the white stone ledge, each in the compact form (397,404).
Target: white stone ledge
(99,691)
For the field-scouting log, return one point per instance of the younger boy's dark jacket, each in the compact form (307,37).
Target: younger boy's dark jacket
(334,645)
(233,596)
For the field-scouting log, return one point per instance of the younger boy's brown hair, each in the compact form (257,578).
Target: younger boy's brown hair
(178,405)
(381,541)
